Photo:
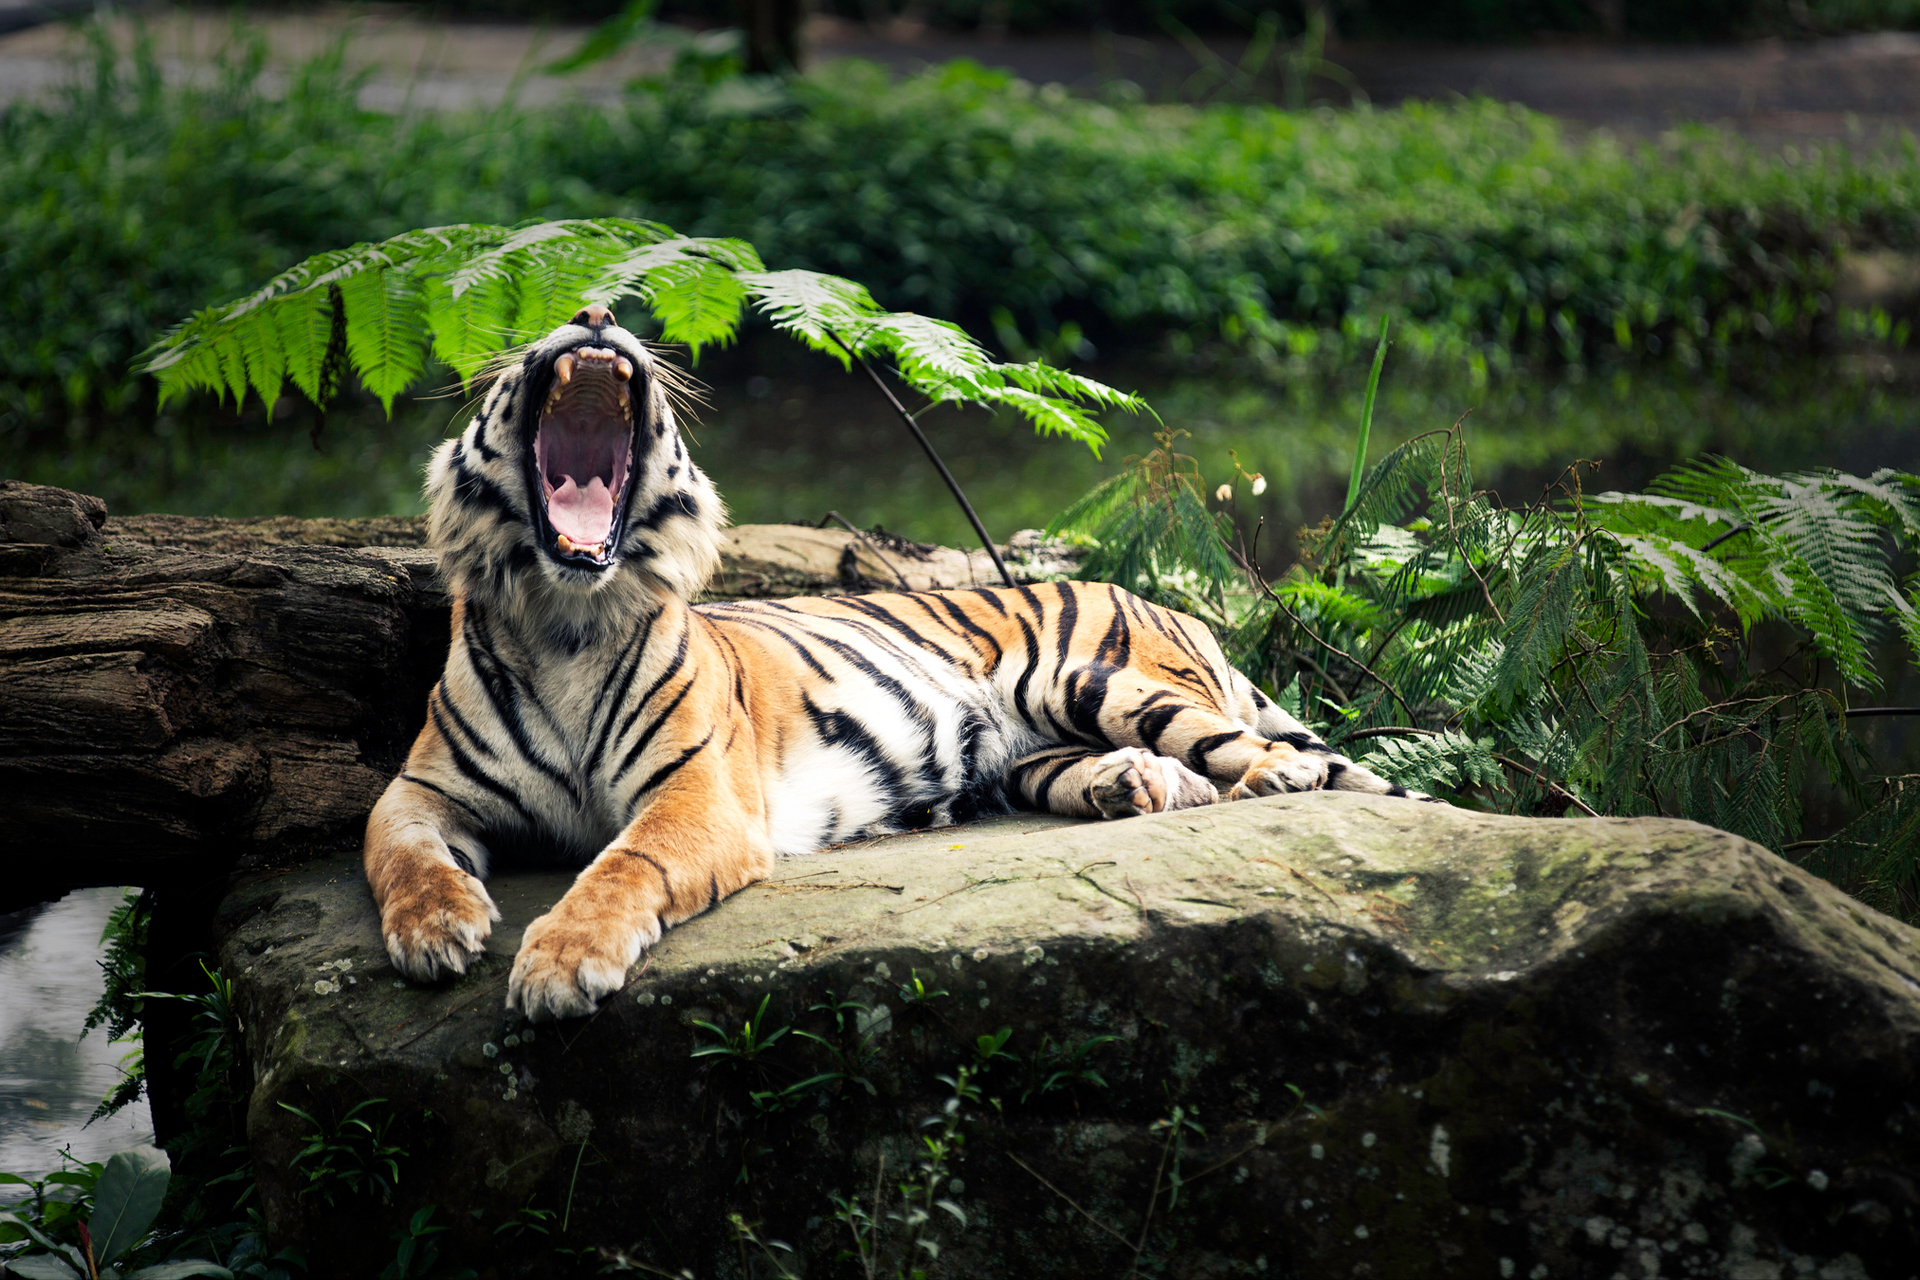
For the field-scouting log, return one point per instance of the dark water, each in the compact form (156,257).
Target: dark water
(50,1078)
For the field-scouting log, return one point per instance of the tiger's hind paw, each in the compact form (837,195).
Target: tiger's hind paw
(1281,770)
(437,925)
(566,966)
(1133,781)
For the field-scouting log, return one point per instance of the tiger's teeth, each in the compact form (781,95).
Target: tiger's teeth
(563,369)
(623,367)
(564,543)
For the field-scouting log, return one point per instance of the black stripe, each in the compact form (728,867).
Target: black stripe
(966,623)
(1396,790)
(1043,794)
(782,632)
(1154,723)
(667,770)
(463,861)
(471,770)
(992,596)
(1198,752)
(673,667)
(638,649)
(646,735)
(665,882)
(441,791)
(1069,622)
(503,691)
(839,728)
(1026,675)
(479,743)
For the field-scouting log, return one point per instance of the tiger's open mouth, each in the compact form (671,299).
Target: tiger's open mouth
(582,452)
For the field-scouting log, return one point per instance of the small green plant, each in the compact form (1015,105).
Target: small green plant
(905,1250)
(746,1044)
(1056,1066)
(353,1156)
(121,1200)
(417,1255)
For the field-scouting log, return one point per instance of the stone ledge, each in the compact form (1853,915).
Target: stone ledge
(1589,1046)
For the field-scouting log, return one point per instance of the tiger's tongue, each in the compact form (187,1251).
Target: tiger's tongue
(584,515)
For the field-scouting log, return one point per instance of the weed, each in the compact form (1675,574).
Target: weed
(353,1156)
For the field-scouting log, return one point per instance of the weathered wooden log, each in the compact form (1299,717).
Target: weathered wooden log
(179,690)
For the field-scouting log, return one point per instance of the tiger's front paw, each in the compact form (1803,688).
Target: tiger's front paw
(568,964)
(1282,769)
(436,923)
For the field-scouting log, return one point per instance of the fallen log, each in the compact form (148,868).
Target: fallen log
(194,694)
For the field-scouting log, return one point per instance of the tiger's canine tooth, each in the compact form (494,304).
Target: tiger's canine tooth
(563,368)
(623,367)
(564,542)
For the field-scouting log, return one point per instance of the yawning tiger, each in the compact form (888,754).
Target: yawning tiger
(677,750)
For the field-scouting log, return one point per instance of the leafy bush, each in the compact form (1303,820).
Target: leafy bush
(121,1199)
(130,202)
(1696,650)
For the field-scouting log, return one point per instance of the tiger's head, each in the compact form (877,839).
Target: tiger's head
(571,490)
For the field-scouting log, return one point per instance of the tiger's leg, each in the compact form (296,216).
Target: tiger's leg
(1079,782)
(424,867)
(1284,756)
(701,837)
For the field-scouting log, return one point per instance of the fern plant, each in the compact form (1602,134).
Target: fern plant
(468,294)
(463,293)
(1697,650)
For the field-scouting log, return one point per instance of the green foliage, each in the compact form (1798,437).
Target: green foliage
(130,202)
(110,1220)
(124,966)
(461,291)
(353,1156)
(417,1255)
(1692,650)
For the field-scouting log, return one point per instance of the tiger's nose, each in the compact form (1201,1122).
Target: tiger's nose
(594,316)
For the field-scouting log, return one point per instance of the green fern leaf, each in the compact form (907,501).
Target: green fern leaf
(386,316)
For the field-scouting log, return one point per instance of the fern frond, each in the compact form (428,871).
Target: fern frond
(461,293)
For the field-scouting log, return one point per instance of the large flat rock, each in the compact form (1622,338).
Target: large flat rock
(1420,1041)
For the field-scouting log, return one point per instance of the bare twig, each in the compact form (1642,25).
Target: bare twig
(872,546)
(953,486)
(1300,622)
(1553,788)
(1125,1243)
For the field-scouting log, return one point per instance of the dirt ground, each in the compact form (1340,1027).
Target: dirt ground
(1775,92)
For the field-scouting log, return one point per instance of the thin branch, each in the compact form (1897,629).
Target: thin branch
(1553,788)
(872,546)
(1128,1244)
(1881,711)
(953,486)
(1300,622)
(1743,527)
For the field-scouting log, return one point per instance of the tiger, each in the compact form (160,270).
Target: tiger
(674,751)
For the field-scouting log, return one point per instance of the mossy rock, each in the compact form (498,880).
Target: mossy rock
(1421,1042)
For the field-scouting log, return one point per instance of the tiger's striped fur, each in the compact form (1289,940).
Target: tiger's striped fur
(589,712)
